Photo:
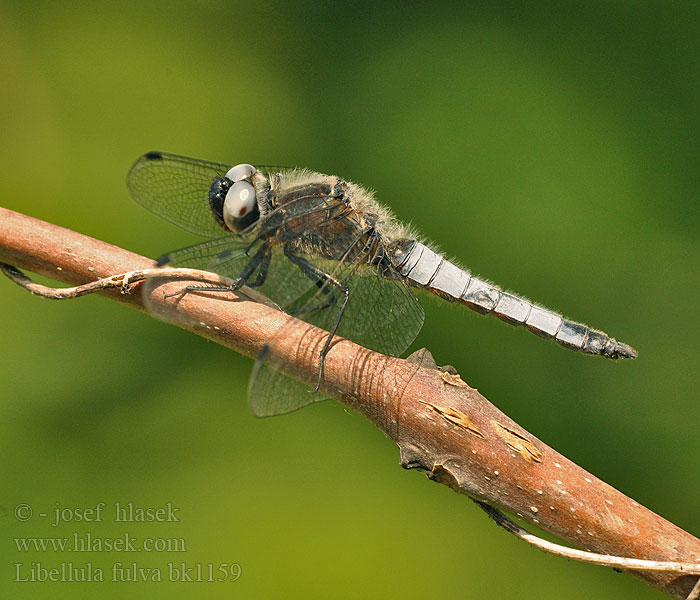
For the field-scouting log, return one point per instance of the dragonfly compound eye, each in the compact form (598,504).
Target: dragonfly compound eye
(240,172)
(240,207)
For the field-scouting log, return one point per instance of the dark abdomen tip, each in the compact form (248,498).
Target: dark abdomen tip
(624,351)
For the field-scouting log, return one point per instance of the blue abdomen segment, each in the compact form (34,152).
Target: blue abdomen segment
(424,268)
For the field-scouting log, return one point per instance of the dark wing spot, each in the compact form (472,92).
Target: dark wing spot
(162,260)
(154,155)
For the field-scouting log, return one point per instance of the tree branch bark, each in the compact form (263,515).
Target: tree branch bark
(440,424)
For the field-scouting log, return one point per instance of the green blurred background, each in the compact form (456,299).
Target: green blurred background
(551,148)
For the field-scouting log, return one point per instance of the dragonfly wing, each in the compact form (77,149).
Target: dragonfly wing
(277,279)
(176,188)
(382,314)
(226,256)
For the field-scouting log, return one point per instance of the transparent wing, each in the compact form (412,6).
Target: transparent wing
(176,189)
(381,314)
(227,256)
(280,280)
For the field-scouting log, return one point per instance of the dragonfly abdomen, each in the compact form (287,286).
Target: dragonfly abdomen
(424,268)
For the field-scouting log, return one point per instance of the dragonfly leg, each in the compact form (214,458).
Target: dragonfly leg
(324,281)
(321,282)
(262,272)
(260,259)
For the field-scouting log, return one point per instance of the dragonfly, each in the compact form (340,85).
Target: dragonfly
(325,251)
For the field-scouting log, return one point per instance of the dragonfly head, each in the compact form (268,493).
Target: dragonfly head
(232,198)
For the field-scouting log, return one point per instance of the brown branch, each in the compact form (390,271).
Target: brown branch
(439,423)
